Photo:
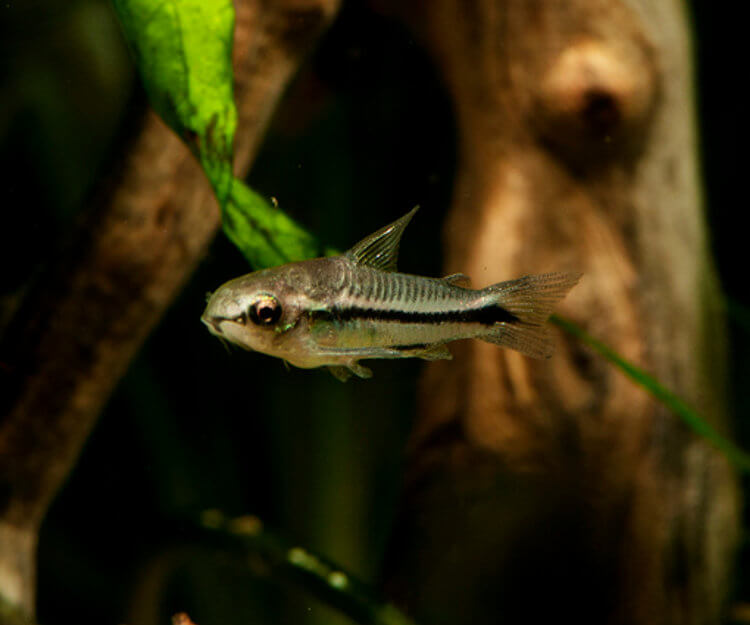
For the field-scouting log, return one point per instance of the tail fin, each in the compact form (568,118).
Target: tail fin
(531,299)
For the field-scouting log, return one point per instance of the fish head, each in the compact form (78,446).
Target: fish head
(251,311)
(260,311)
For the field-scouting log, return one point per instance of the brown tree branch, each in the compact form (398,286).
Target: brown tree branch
(79,327)
(544,490)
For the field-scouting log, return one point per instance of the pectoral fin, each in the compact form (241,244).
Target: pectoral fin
(361,371)
(343,373)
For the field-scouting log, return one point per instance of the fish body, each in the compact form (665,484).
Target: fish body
(336,311)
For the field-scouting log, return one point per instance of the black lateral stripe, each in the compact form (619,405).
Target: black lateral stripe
(408,348)
(486,315)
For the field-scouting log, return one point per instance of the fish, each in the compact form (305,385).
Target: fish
(334,312)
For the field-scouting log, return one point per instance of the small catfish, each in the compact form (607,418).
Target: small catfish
(334,312)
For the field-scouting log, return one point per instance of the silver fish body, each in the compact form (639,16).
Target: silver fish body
(335,311)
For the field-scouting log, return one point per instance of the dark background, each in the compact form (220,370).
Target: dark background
(364,133)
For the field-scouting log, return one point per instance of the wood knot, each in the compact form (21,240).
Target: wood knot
(595,101)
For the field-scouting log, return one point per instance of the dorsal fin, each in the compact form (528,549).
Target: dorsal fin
(380,249)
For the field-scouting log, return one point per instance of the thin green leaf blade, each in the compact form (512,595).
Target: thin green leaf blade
(265,235)
(678,406)
(183,50)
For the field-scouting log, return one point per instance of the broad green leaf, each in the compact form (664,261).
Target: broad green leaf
(265,235)
(183,50)
(688,415)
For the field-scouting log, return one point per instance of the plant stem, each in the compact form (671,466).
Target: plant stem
(323,579)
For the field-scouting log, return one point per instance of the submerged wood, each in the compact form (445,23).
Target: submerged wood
(76,332)
(543,490)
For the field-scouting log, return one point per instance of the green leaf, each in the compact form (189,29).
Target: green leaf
(265,235)
(183,50)
(688,415)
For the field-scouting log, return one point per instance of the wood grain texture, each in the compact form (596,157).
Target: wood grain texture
(84,320)
(558,489)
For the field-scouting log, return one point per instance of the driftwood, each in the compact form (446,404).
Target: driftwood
(536,490)
(540,491)
(79,327)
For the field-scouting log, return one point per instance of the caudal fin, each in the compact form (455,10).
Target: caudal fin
(530,299)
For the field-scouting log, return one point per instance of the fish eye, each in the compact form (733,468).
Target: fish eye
(265,311)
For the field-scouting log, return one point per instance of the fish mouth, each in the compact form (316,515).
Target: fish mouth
(214,327)
(213,324)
